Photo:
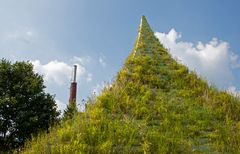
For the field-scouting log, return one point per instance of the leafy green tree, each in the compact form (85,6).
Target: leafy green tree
(70,111)
(25,108)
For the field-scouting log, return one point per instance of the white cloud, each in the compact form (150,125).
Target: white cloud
(59,72)
(81,60)
(24,35)
(57,77)
(61,106)
(213,60)
(233,91)
(54,71)
(102,61)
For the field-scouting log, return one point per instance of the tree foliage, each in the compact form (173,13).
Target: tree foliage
(25,108)
(70,111)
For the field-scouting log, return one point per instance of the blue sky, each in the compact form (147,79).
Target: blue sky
(99,35)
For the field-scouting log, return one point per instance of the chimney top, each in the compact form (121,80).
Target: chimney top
(74,73)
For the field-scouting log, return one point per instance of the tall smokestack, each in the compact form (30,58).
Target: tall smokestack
(74,73)
(73,88)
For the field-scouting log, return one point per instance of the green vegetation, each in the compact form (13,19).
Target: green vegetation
(25,109)
(70,111)
(155,105)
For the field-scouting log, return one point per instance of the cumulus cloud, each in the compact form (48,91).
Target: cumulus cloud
(213,60)
(59,72)
(60,105)
(54,71)
(57,76)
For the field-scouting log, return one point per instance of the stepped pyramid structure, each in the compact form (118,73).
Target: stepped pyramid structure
(146,42)
(155,105)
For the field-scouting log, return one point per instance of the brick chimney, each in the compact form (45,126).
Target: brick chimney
(73,88)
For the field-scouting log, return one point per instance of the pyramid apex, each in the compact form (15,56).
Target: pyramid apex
(143,20)
(146,40)
(144,24)
(143,17)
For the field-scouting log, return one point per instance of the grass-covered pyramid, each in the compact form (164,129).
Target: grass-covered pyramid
(155,105)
